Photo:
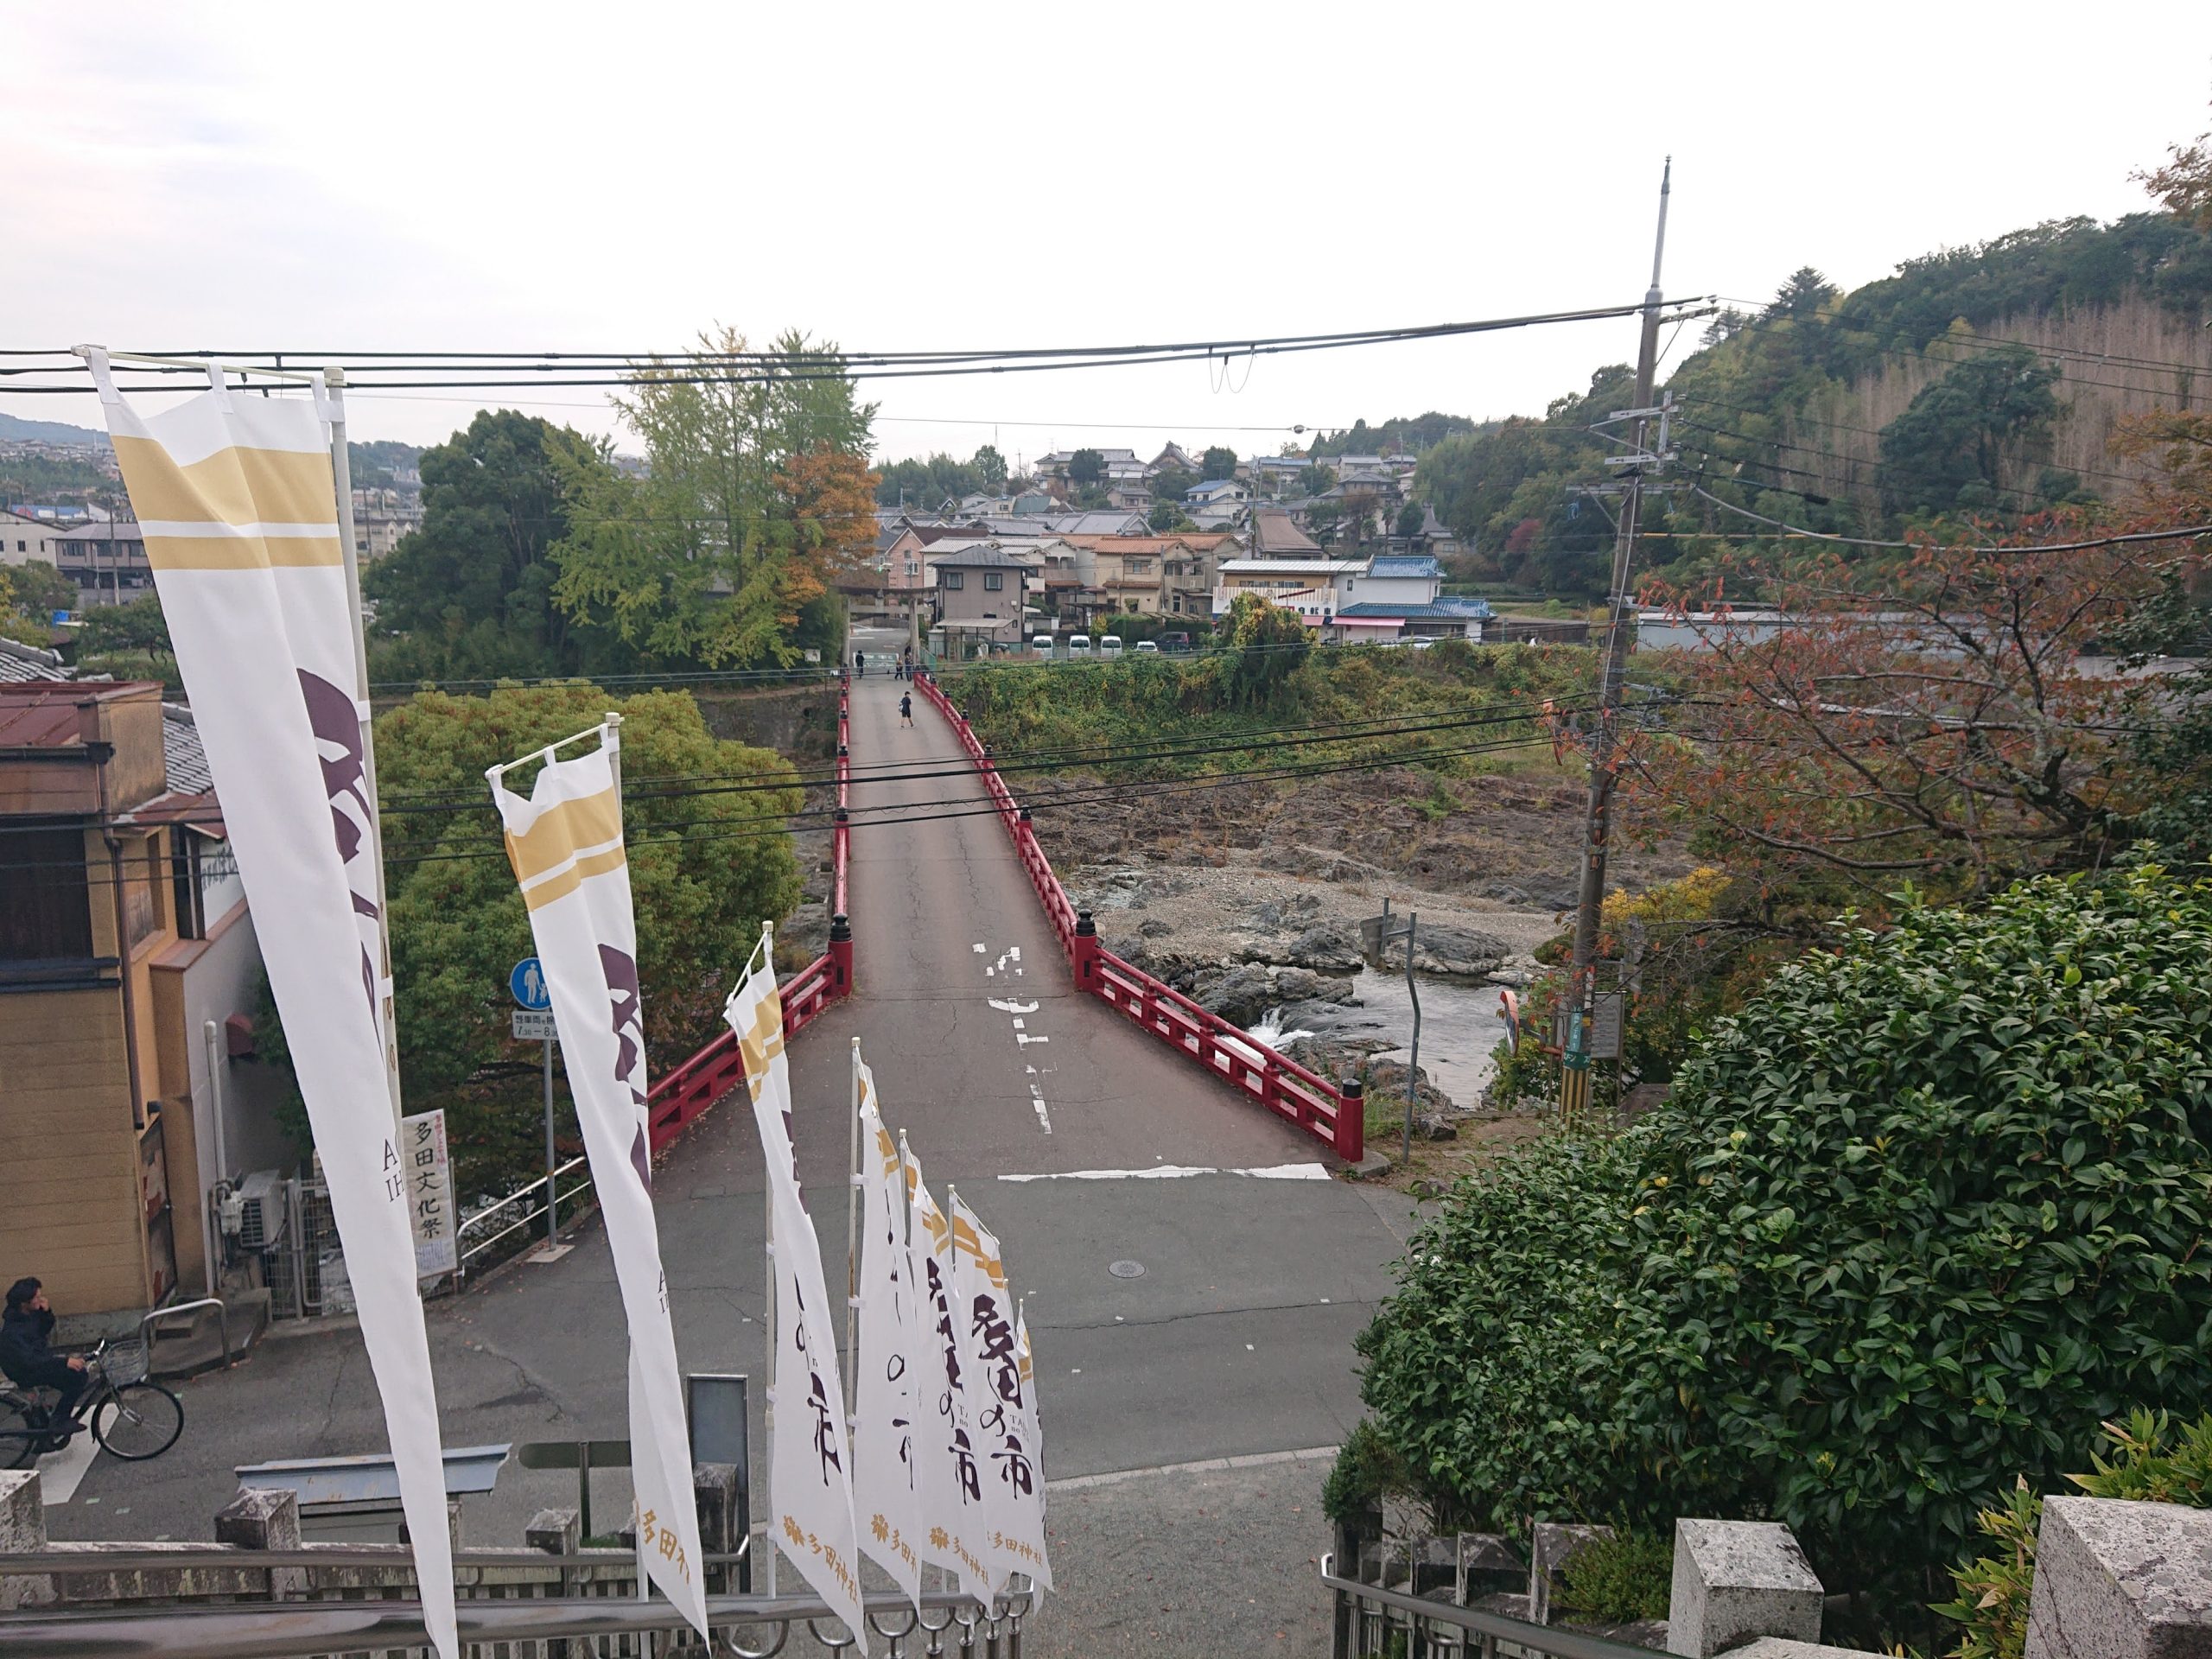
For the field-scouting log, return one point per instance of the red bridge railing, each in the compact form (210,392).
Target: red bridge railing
(683,1096)
(1281,1085)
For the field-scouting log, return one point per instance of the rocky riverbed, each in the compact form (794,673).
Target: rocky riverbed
(1274,944)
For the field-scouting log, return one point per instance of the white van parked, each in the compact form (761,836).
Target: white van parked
(1110,646)
(1042,645)
(1078,645)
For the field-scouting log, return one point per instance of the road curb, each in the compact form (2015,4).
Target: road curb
(1202,1466)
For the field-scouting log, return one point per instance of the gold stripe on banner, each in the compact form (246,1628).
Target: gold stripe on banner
(764,1043)
(238,485)
(964,1239)
(244,552)
(561,886)
(591,821)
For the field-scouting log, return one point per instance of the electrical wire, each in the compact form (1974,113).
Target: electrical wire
(2177,533)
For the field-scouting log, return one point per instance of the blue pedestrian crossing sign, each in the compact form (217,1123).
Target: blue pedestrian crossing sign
(528,984)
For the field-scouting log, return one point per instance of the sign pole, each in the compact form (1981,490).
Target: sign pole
(552,1196)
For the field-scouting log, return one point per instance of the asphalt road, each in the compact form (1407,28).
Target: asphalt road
(1234,1339)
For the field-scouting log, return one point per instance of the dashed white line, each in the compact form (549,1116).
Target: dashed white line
(1012,1007)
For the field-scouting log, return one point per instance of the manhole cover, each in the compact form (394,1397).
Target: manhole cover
(1127,1269)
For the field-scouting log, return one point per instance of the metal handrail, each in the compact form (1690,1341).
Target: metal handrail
(1495,1627)
(88,1559)
(299,1629)
(527,1216)
(223,1321)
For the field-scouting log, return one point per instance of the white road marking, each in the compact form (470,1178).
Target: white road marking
(1180,1172)
(1037,1098)
(1021,1024)
(1013,1008)
(1024,1038)
(60,1473)
(1210,1465)
(980,949)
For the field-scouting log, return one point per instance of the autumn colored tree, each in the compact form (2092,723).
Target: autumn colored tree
(1930,721)
(713,553)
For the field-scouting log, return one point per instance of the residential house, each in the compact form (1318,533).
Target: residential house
(1315,587)
(1031,504)
(1275,535)
(1056,464)
(1401,597)
(1173,456)
(124,935)
(1115,521)
(26,539)
(1277,476)
(106,560)
(1188,568)
(980,595)
(1126,574)
(1215,493)
(1129,497)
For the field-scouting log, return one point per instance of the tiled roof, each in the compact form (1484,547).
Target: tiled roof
(187,761)
(1321,565)
(1436,612)
(1273,533)
(21,663)
(1404,564)
(991,557)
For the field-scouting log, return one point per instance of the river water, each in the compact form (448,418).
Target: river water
(1460,1027)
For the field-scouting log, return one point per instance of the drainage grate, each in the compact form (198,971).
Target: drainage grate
(1127,1269)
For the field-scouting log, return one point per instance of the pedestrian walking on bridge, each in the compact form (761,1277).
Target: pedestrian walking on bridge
(906,707)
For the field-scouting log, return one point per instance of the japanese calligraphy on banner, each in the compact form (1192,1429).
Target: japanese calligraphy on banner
(565,843)
(236,501)
(809,1470)
(429,1193)
(1013,1480)
(885,1501)
(955,1531)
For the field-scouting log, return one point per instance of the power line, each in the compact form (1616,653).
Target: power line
(2176,534)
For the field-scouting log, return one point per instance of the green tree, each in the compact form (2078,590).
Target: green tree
(472,587)
(1167,515)
(708,864)
(990,469)
(1318,479)
(138,626)
(37,590)
(1086,466)
(1265,645)
(704,559)
(1411,517)
(923,485)
(1218,463)
(1945,451)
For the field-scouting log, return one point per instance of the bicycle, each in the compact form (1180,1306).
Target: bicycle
(132,1418)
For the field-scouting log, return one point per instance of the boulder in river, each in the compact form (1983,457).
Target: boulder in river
(1449,952)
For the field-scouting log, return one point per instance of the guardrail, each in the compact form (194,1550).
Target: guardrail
(1371,1622)
(1281,1085)
(518,1211)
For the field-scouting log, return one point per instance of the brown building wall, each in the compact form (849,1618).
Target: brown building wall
(73,1211)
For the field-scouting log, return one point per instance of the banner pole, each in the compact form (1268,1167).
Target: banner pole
(853,1250)
(768,1321)
(342,471)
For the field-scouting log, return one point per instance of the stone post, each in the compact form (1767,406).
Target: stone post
(1735,1580)
(265,1518)
(2121,1580)
(554,1532)
(1552,1544)
(22,1532)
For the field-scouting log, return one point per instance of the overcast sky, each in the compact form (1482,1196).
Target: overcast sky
(473,176)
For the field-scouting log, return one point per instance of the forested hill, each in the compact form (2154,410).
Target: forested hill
(1984,381)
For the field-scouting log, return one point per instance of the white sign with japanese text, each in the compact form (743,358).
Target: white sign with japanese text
(429,1193)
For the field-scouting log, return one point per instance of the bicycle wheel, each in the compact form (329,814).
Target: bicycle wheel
(138,1419)
(19,1441)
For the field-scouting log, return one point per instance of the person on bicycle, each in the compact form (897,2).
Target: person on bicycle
(25,1355)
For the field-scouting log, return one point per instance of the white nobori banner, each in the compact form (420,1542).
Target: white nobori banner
(565,843)
(810,1467)
(956,1532)
(885,1500)
(1005,1443)
(237,502)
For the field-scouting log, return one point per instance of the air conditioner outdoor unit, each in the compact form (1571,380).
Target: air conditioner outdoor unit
(261,1213)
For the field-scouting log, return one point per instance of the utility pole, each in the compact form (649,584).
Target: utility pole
(1574,1078)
